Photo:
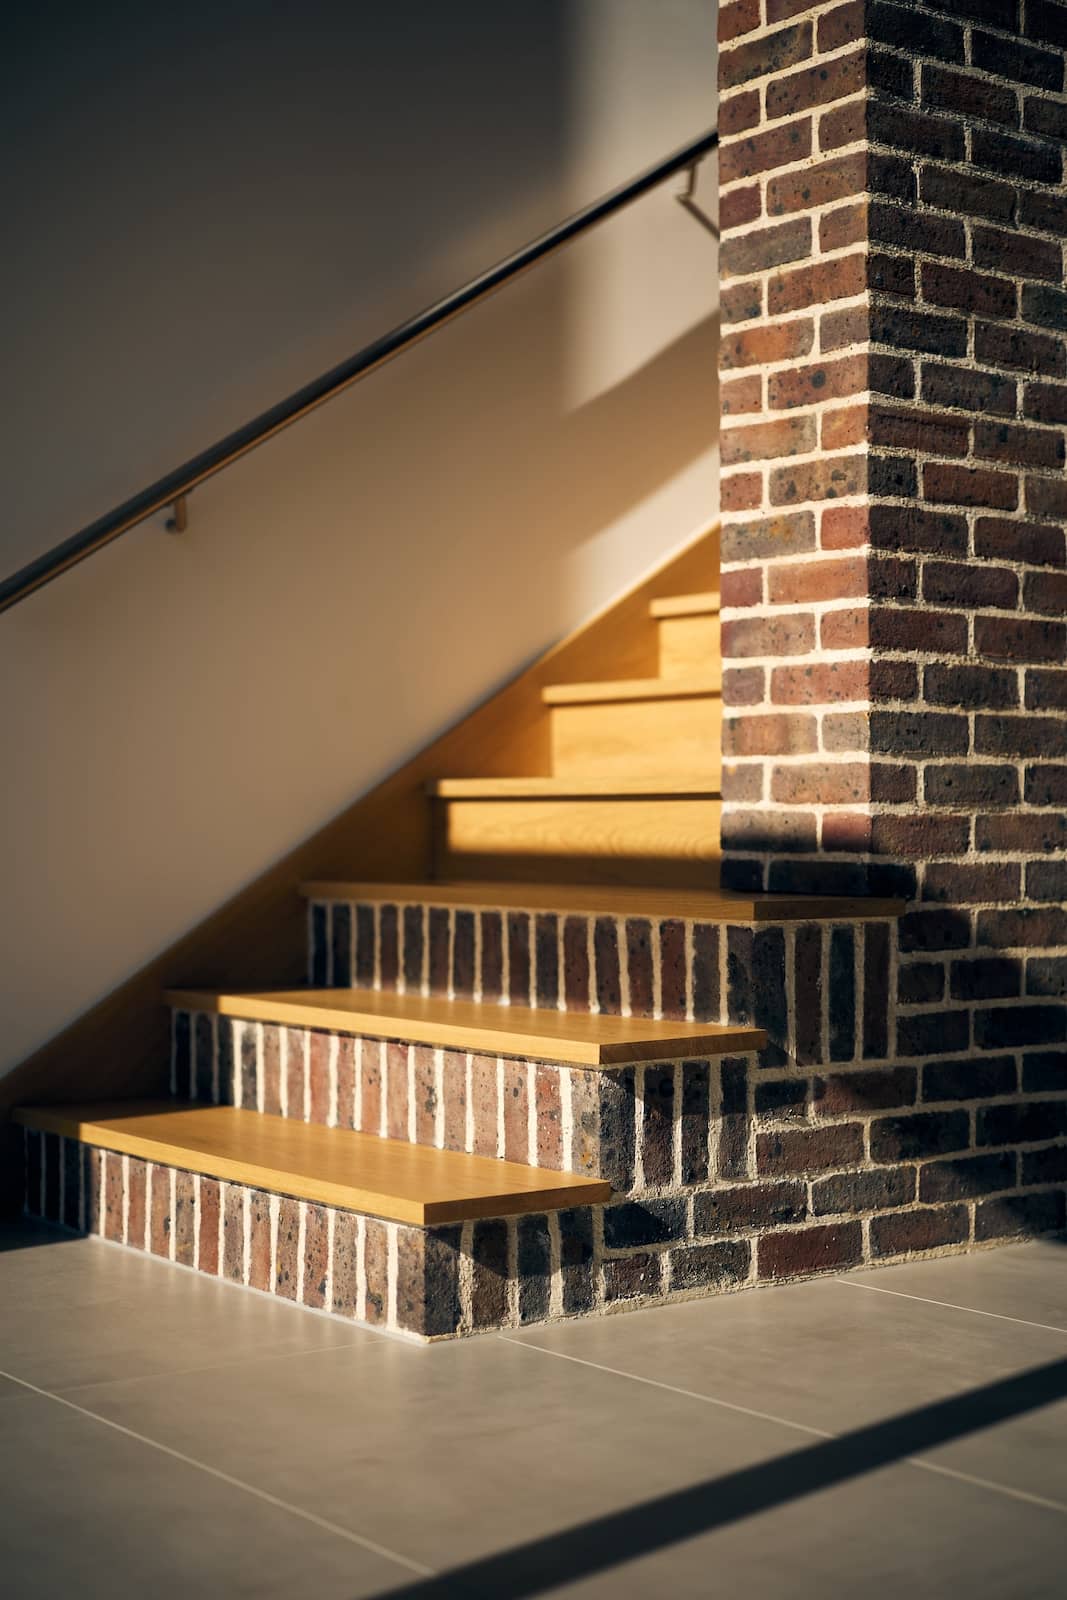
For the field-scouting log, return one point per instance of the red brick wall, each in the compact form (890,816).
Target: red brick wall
(894,500)
(894,369)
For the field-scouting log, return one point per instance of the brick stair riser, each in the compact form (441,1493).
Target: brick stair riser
(822,990)
(653,1124)
(857,1173)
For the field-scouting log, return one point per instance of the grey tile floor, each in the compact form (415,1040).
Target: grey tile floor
(892,1434)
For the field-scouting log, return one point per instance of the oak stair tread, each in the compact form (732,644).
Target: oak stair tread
(685,605)
(612,690)
(542,788)
(578,1039)
(386,1178)
(698,905)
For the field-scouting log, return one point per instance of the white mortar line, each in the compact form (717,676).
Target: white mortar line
(226,1477)
(949,1305)
(800,1427)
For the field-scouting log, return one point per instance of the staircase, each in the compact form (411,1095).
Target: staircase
(527,1087)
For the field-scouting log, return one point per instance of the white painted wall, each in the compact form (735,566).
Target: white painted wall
(179,712)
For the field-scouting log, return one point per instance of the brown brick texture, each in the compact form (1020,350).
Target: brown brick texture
(894,360)
(895,505)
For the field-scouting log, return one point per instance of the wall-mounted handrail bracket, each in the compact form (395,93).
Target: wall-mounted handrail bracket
(172,490)
(180,520)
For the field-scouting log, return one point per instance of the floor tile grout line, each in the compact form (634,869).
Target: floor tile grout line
(671,1388)
(948,1305)
(218,1366)
(798,1427)
(225,1477)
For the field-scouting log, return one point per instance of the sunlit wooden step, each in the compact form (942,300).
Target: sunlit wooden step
(689,633)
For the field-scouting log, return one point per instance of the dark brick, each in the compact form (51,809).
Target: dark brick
(966,1176)
(733,1119)
(1006,1026)
(639,966)
(863,1191)
(968,94)
(618,1128)
(859,1092)
(1015,157)
(576,1259)
(781,1099)
(705,1266)
(1045,1166)
(1008,58)
(806,1250)
(967,194)
(924,1133)
(1020,736)
(917,132)
(809,1149)
(1020,639)
(388,946)
(808,995)
(606,958)
(1047,975)
(1019,1214)
(1011,347)
(533,1267)
(414,942)
(925,35)
(1047,308)
(319,947)
(1022,1122)
(918,330)
(463,955)
(919,983)
(922,733)
(1046,880)
(902,1232)
(648,1222)
(696,1112)
(970,391)
(748,1206)
(991,977)
(518,935)
(365,945)
(934,930)
(576,964)
(632,1277)
(673,969)
(966,882)
(657,1125)
(1023,928)
(1046,22)
(1037,544)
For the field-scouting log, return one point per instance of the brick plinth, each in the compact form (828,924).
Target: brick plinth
(894,500)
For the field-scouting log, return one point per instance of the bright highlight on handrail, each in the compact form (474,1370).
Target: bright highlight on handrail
(177,484)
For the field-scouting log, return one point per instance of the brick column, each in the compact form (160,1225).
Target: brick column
(894,500)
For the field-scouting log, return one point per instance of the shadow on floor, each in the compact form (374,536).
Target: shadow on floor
(637,1531)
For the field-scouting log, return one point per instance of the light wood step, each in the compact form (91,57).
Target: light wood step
(685,605)
(648,727)
(574,830)
(690,638)
(401,1182)
(697,905)
(621,690)
(576,1038)
(535,788)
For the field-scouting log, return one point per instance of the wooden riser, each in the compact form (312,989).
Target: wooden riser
(640,840)
(641,738)
(688,645)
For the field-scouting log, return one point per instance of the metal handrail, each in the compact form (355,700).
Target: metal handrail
(172,489)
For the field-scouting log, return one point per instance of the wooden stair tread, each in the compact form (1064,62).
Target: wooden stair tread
(685,605)
(699,905)
(332,1166)
(580,1039)
(540,788)
(596,693)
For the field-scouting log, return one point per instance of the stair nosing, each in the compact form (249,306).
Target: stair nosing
(494,1188)
(622,691)
(546,788)
(702,905)
(485,1028)
(706,603)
